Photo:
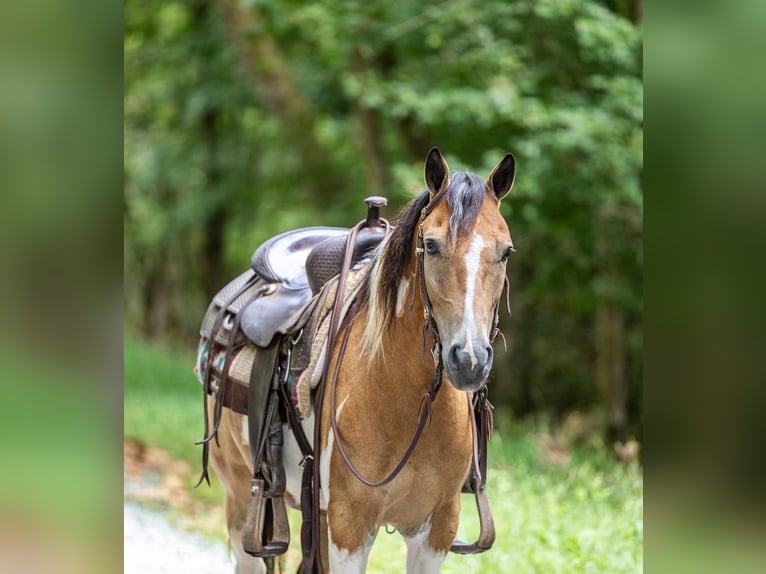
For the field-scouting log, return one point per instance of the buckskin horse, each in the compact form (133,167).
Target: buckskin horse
(396,446)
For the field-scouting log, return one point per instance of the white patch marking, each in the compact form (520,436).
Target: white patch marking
(245,431)
(472,261)
(469,347)
(401,296)
(324,470)
(349,563)
(324,461)
(340,408)
(421,559)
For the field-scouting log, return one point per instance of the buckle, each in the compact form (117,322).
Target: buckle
(305,461)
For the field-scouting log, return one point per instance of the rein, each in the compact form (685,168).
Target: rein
(431,329)
(425,413)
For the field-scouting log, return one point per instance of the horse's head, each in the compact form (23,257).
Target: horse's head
(466,245)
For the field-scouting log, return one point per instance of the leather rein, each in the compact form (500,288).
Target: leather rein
(424,417)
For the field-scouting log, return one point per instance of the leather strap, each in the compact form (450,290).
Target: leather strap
(425,415)
(234,397)
(306,496)
(314,564)
(204,476)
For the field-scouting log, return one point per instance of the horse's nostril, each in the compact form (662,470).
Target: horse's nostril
(452,358)
(490,352)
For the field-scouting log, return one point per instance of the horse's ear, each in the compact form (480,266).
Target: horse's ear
(437,172)
(501,179)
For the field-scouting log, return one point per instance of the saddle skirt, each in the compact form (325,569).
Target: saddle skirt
(307,329)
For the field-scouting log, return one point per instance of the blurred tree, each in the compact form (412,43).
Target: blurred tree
(247,118)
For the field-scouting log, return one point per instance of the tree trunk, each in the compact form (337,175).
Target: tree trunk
(637,11)
(418,141)
(369,126)
(264,67)
(158,297)
(212,266)
(610,368)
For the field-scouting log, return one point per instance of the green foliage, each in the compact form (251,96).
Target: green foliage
(344,101)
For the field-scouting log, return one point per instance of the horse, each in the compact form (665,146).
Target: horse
(440,272)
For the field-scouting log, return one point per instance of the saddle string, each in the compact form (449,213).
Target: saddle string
(489,419)
(207,381)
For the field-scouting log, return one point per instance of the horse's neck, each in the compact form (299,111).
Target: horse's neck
(408,351)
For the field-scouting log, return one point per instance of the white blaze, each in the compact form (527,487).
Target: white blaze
(472,261)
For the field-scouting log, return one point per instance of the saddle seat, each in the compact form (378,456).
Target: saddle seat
(281,263)
(295,266)
(282,259)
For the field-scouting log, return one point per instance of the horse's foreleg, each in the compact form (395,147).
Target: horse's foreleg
(421,557)
(427,549)
(349,538)
(245,563)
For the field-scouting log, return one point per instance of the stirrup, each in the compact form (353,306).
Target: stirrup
(266,533)
(486,532)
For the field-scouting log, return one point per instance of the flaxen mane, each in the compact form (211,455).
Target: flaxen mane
(465,195)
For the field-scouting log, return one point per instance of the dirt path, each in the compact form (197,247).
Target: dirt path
(153,546)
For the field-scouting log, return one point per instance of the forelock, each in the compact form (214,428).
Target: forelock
(465,196)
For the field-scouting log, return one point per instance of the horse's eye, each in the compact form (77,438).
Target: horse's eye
(431,247)
(507,254)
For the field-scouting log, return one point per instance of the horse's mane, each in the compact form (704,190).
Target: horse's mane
(464,195)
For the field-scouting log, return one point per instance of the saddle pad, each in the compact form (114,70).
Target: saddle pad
(241,366)
(300,383)
(241,361)
(309,378)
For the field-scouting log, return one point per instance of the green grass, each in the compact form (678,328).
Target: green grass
(585,516)
(163,399)
(163,407)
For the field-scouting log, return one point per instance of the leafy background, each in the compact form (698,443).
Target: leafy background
(246,118)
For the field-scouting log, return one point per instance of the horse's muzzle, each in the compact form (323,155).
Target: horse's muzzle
(468,365)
